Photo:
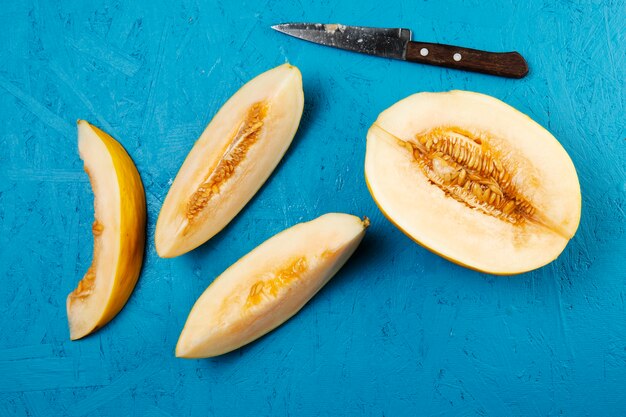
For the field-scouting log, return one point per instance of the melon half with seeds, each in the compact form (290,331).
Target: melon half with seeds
(231,160)
(474,180)
(269,285)
(119,232)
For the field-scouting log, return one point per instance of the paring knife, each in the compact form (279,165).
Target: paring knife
(396,43)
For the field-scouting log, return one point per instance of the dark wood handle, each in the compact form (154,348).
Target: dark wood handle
(502,64)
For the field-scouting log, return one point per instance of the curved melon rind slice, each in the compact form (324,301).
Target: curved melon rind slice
(118,229)
(472,232)
(269,285)
(231,160)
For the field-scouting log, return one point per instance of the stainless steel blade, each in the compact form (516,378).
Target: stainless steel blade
(385,42)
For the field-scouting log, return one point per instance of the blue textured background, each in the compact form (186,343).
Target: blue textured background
(399,331)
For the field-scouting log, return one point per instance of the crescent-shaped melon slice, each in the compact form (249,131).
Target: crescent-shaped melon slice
(269,285)
(474,180)
(235,155)
(118,232)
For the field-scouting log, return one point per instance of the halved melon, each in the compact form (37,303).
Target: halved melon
(474,180)
(118,232)
(269,285)
(236,153)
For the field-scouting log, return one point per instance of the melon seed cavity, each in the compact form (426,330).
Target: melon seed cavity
(465,168)
(267,288)
(247,134)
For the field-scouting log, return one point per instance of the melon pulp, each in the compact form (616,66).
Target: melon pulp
(269,285)
(234,156)
(473,180)
(118,232)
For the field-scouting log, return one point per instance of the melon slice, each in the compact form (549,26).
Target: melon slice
(235,155)
(473,180)
(269,285)
(118,232)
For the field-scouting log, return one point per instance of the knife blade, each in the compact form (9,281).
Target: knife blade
(396,43)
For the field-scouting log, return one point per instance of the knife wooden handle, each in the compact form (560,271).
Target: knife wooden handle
(503,64)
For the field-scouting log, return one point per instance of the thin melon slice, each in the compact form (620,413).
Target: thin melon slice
(473,180)
(118,232)
(235,155)
(269,285)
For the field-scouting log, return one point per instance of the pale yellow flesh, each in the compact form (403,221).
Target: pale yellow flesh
(448,227)
(280,89)
(119,233)
(255,295)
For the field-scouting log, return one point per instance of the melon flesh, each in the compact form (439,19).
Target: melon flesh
(269,285)
(231,160)
(474,180)
(118,229)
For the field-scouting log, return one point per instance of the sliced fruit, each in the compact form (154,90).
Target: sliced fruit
(269,285)
(474,180)
(236,153)
(118,232)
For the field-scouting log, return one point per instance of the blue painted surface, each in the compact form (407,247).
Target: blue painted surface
(399,331)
